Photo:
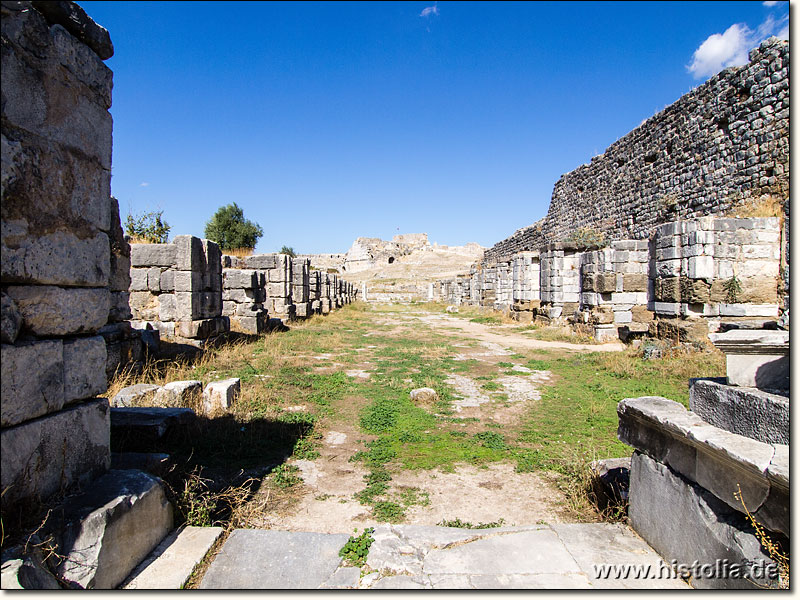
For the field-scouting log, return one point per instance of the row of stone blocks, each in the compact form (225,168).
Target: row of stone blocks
(709,267)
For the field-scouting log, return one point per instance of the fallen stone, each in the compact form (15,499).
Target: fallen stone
(172,562)
(221,395)
(178,393)
(134,395)
(425,396)
(270,559)
(104,533)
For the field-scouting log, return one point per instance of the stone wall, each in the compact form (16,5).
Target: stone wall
(687,273)
(722,144)
(177,288)
(56,258)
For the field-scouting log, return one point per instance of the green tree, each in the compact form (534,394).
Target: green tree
(148,227)
(288,250)
(231,230)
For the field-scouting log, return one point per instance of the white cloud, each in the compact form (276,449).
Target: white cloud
(729,49)
(144,184)
(429,10)
(771,2)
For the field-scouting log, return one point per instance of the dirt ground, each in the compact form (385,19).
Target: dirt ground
(325,501)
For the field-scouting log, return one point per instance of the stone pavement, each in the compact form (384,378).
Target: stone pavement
(418,556)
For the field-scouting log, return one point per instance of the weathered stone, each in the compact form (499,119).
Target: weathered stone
(84,368)
(153,255)
(27,572)
(108,530)
(57,258)
(261,261)
(50,310)
(177,393)
(635,282)
(668,289)
(10,319)
(755,358)
(745,411)
(424,396)
(39,456)
(694,291)
(239,278)
(344,578)
(75,20)
(203,328)
(173,561)
(133,395)
(271,559)
(32,380)
(685,523)
(221,394)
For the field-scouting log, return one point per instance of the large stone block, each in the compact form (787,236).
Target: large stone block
(685,523)
(190,255)
(32,380)
(50,310)
(42,456)
(261,261)
(221,394)
(84,368)
(202,328)
(745,411)
(153,255)
(55,258)
(10,319)
(239,278)
(188,281)
(107,531)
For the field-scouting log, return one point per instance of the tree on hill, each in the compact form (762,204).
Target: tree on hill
(231,230)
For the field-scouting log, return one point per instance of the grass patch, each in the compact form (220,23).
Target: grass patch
(467,525)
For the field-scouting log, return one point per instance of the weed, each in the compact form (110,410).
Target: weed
(733,289)
(467,525)
(491,439)
(285,476)
(389,512)
(356,549)
(774,551)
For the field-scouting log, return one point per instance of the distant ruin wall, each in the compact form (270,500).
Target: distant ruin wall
(57,288)
(722,144)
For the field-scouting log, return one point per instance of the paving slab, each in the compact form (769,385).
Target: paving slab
(344,578)
(269,559)
(529,552)
(172,562)
(595,544)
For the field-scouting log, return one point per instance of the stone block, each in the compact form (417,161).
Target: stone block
(174,560)
(167,283)
(635,282)
(108,530)
(50,310)
(188,281)
(168,308)
(240,295)
(145,306)
(120,277)
(40,457)
(606,333)
(641,315)
(252,325)
(213,256)
(84,368)
(261,261)
(668,268)
(177,393)
(748,310)
(755,358)
(32,380)
(190,254)
(119,308)
(221,394)
(202,328)
(623,316)
(694,291)
(701,267)
(745,411)
(667,308)
(239,278)
(667,289)
(137,394)
(685,523)
(154,279)
(10,319)
(53,258)
(139,280)
(153,255)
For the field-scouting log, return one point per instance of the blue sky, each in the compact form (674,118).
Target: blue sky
(326,122)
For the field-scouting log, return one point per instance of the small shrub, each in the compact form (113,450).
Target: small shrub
(587,237)
(356,549)
(288,250)
(148,227)
(467,525)
(733,289)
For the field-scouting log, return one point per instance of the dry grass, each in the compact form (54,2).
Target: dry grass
(240,252)
(134,239)
(766,206)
